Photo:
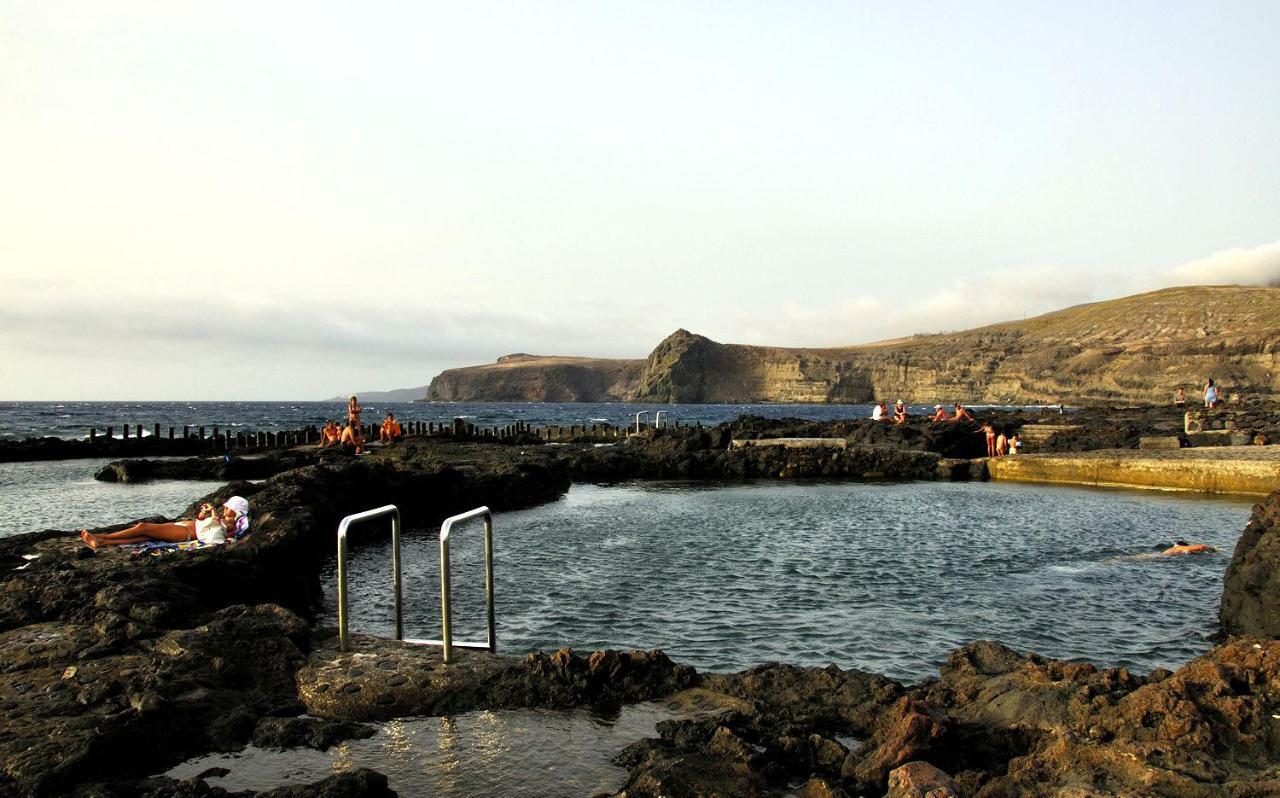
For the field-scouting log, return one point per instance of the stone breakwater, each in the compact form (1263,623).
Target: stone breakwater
(103,655)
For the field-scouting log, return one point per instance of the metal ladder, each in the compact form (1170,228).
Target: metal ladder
(446,583)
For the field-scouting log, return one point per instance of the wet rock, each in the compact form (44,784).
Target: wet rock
(381,679)
(359,783)
(1251,587)
(910,730)
(921,780)
(307,732)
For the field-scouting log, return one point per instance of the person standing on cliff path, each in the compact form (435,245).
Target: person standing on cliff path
(1180,398)
(1210,394)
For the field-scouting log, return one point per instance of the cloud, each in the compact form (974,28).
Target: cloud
(1258,266)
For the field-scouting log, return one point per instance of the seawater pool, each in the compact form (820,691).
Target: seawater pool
(62,494)
(882,577)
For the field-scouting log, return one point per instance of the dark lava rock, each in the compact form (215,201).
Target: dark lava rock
(220,466)
(307,732)
(359,783)
(1251,588)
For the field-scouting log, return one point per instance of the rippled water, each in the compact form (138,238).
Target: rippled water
(20,420)
(884,577)
(512,752)
(63,494)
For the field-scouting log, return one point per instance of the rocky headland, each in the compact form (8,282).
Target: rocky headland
(1137,349)
(104,654)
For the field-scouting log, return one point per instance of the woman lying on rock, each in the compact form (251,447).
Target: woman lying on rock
(209,526)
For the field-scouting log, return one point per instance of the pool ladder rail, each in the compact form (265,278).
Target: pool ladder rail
(446,583)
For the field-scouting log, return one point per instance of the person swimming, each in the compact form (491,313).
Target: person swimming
(1183,547)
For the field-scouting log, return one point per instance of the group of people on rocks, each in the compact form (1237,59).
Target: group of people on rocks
(352,435)
(881,413)
(999,442)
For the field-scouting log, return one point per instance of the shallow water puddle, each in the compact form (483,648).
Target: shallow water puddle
(508,752)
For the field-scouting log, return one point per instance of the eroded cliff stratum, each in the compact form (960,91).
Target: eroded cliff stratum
(1134,349)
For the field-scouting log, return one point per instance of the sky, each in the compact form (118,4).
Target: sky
(297,200)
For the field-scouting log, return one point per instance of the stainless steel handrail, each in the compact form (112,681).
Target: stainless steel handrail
(394,512)
(638,415)
(657,419)
(446,585)
(446,581)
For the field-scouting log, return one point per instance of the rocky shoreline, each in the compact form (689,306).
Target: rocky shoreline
(104,655)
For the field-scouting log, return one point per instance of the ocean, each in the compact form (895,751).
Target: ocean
(74,420)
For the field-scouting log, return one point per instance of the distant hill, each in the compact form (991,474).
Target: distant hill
(398,395)
(539,378)
(1138,348)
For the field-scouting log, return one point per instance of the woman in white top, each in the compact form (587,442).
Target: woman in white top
(209,526)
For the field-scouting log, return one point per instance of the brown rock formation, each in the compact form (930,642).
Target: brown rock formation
(1135,349)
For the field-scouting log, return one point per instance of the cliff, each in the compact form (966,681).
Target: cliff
(537,378)
(1134,349)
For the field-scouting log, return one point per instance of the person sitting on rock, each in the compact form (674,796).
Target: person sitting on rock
(878,412)
(331,435)
(1183,547)
(390,432)
(209,526)
(940,414)
(961,414)
(353,437)
(899,412)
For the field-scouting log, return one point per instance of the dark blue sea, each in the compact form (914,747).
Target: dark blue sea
(20,420)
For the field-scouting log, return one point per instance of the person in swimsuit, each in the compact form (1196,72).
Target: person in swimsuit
(209,526)
(961,413)
(1180,399)
(330,435)
(1183,547)
(939,414)
(1002,445)
(354,410)
(352,436)
(990,432)
(1015,443)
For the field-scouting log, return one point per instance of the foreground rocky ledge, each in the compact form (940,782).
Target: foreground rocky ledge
(103,655)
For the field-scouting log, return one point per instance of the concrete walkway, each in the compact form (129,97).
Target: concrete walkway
(1247,470)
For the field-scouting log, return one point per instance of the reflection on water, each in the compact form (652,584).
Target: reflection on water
(884,577)
(509,752)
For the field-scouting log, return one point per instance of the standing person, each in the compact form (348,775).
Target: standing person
(1180,398)
(354,410)
(1002,445)
(1015,443)
(990,431)
(1210,394)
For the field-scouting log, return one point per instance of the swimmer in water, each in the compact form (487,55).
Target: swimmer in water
(1183,547)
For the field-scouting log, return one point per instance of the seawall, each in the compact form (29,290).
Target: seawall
(1246,470)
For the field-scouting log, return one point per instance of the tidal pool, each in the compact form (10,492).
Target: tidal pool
(881,577)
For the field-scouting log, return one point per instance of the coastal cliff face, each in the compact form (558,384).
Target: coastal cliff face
(533,378)
(1135,349)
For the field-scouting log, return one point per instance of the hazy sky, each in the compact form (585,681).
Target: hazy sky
(296,200)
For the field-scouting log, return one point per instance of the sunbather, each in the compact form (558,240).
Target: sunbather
(209,526)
